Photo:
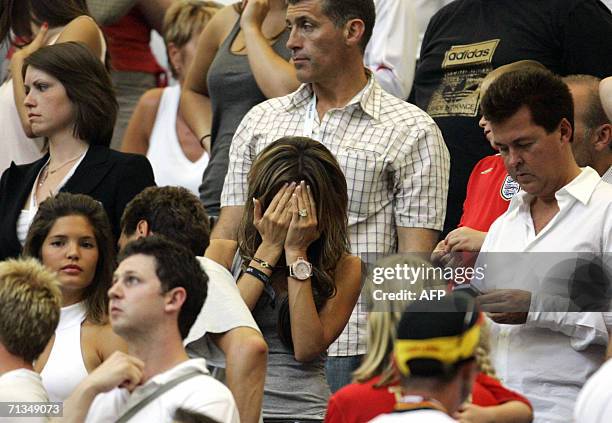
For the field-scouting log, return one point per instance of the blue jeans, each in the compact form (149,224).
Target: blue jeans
(339,369)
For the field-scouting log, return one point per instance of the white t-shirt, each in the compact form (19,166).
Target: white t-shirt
(594,404)
(22,385)
(223,310)
(414,416)
(202,394)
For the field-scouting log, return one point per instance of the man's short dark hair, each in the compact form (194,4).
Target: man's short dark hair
(173,212)
(175,266)
(545,95)
(342,11)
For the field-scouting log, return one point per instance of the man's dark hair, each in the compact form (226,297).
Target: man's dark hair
(545,95)
(175,266)
(342,11)
(173,212)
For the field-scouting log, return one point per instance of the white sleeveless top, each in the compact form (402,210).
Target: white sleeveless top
(170,165)
(65,368)
(15,145)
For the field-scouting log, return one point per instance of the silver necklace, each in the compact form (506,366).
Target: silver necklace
(46,171)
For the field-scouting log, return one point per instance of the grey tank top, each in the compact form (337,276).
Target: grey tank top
(233,92)
(292,390)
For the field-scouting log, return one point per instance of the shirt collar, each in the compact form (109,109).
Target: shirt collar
(369,98)
(580,188)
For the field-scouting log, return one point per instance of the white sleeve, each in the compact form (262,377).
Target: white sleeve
(391,52)
(583,328)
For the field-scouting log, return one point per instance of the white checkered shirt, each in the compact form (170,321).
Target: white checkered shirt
(393,157)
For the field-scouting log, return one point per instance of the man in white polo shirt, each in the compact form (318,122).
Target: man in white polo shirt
(547,354)
(158,291)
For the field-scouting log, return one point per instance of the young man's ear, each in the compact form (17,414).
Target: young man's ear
(142,229)
(175,298)
(603,140)
(354,31)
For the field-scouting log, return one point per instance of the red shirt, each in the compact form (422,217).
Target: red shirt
(489,192)
(361,402)
(128,44)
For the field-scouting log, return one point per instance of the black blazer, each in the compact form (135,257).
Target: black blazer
(111,177)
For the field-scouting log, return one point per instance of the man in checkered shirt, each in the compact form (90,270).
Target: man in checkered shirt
(392,153)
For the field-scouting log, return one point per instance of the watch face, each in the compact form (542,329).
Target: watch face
(301,270)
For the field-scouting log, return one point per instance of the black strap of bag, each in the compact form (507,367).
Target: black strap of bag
(155,394)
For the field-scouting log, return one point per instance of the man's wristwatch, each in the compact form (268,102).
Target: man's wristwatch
(300,269)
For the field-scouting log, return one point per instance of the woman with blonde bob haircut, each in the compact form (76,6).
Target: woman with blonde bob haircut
(300,281)
(376,388)
(71,236)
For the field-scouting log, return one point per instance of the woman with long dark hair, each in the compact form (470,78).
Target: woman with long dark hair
(300,281)
(71,236)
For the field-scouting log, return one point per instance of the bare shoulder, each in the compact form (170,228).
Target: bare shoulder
(83,29)
(149,101)
(83,24)
(103,339)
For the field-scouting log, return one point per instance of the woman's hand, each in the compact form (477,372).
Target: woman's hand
(274,223)
(303,228)
(253,13)
(38,41)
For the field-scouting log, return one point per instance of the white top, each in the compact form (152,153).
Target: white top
(594,403)
(15,145)
(529,357)
(170,165)
(26,217)
(22,385)
(414,416)
(65,368)
(201,394)
(223,310)
(392,50)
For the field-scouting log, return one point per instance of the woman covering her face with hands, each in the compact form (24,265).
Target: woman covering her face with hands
(300,281)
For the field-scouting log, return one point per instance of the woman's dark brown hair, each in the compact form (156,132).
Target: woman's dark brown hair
(16,15)
(65,204)
(295,159)
(87,85)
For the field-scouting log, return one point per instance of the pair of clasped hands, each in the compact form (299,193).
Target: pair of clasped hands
(290,221)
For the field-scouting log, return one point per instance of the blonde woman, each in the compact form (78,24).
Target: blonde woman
(376,383)
(157,127)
